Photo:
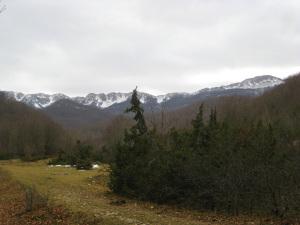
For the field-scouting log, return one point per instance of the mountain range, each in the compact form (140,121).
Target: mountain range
(79,111)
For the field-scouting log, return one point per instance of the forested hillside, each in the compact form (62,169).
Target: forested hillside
(244,156)
(74,115)
(27,133)
(280,104)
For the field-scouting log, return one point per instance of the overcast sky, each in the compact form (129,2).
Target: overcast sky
(82,46)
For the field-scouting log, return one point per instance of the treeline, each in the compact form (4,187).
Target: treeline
(233,164)
(28,134)
(278,104)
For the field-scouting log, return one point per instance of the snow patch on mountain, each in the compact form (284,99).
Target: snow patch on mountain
(164,98)
(258,82)
(115,98)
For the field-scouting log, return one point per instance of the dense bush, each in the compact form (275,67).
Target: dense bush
(215,165)
(80,157)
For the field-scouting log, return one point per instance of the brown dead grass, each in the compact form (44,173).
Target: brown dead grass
(13,208)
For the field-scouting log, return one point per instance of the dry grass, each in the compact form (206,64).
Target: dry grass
(14,208)
(86,193)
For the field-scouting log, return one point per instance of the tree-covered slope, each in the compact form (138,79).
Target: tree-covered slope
(27,133)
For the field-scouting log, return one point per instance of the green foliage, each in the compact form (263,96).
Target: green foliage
(83,156)
(140,127)
(130,154)
(80,156)
(217,165)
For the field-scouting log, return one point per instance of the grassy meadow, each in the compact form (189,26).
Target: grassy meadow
(86,193)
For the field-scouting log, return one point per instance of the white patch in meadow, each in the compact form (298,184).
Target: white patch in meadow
(65,166)
(96,166)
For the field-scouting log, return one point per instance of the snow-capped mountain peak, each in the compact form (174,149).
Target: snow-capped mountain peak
(264,81)
(38,100)
(103,101)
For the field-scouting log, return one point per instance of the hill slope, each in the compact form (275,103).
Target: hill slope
(26,132)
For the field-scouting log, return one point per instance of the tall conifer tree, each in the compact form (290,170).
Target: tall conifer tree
(140,128)
(198,133)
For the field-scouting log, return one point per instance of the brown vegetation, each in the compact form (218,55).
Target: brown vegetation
(27,133)
(16,207)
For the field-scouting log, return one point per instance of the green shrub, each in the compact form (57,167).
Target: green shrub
(80,157)
(84,164)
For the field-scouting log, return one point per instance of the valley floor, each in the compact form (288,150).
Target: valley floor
(87,200)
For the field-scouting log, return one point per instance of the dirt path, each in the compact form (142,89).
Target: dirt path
(86,192)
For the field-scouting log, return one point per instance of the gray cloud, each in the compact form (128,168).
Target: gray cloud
(76,46)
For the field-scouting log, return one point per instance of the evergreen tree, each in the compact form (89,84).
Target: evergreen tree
(199,132)
(217,165)
(140,128)
(128,171)
(213,118)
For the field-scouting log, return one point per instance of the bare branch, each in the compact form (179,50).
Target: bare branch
(2,7)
